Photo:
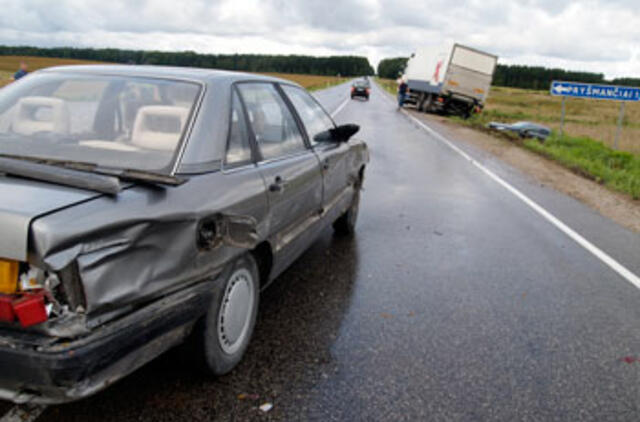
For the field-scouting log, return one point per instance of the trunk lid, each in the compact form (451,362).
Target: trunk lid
(22,201)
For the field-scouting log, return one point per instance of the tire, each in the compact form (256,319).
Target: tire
(345,225)
(427,104)
(420,104)
(226,330)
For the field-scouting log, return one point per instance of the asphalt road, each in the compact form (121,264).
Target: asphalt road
(455,301)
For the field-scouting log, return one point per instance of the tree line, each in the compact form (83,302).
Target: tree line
(518,76)
(331,65)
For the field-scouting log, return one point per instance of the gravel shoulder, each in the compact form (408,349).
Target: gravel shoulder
(616,206)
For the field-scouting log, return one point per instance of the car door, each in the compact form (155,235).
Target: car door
(333,156)
(290,169)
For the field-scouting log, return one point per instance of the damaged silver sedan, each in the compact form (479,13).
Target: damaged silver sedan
(144,205)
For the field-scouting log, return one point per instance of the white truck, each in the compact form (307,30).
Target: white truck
(450,78)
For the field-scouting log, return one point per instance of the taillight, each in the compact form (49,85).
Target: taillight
(6,308)
(368,90)
(353,89)
(440,100)
(23,290)
(30,309)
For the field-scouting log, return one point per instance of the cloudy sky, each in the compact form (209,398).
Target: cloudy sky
(598,35)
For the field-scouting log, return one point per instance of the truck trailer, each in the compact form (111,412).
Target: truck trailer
(449,78)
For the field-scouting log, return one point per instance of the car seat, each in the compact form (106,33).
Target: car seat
(40,114)
(159,127)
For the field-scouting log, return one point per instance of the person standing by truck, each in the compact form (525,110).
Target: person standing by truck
(403,89)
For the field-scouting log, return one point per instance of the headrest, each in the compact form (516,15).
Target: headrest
(159,127)
(40,114)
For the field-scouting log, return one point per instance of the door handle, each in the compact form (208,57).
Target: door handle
(277,185)
(325,164)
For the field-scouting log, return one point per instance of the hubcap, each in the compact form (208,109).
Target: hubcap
(235,313)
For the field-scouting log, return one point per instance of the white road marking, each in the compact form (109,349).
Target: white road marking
(575,236)
(23,413)
(340,107)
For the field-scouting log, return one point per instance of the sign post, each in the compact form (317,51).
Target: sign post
(596,92)
(564,99)
(619,129)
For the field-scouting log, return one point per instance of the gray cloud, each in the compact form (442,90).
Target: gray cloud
(597,35)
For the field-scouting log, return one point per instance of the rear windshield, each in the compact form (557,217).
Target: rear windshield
(111,121)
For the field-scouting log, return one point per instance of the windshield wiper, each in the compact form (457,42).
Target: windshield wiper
(60,175)
(124,174)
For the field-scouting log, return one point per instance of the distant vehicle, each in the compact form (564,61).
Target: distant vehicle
(142,205)
(523,129)
(450,78)
(360,88)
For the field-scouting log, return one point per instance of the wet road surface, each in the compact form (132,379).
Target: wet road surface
(454,301)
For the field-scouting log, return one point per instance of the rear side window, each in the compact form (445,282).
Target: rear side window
(238,148)
(315,119)
(273,125)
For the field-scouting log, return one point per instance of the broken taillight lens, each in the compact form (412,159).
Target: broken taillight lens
(6,308)
(30,309)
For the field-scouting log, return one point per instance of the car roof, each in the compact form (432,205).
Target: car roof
(174,72)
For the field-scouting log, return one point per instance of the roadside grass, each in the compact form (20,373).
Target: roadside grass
(388,85)
(584,148)
(596,119)
(619,170)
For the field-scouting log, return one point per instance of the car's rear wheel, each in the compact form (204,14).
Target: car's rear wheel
(228,325)
(345,225)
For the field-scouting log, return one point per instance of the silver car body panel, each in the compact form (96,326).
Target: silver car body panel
(24,200)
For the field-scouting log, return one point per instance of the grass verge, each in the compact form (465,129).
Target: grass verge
(619,170)
(388,85)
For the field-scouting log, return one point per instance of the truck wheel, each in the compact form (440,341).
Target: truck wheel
(420,103)
(228,325)
(427,105)
(345,225)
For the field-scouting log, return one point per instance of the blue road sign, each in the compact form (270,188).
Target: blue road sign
(598,92)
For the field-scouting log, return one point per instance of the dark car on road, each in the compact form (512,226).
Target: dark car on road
(360,88)
(144,205)
(523,129)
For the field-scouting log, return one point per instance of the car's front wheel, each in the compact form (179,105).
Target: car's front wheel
(229,322)
(345,225)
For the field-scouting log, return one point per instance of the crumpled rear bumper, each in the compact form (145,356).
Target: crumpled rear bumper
(67,371)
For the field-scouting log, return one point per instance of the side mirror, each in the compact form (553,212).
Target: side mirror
(343,133)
